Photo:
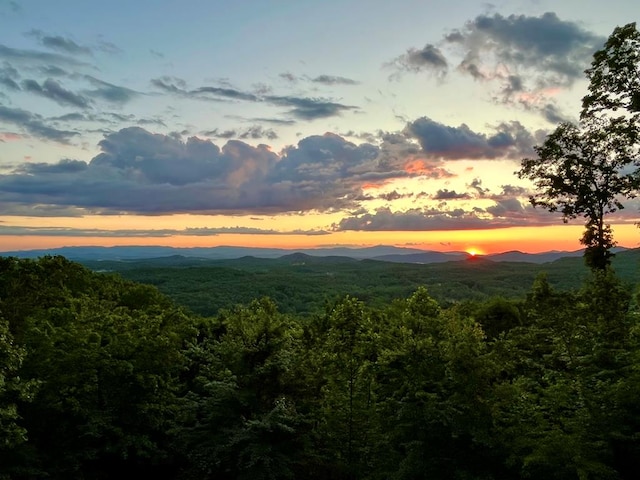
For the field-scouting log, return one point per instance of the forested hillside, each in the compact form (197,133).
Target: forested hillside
(103,378)
(303,284)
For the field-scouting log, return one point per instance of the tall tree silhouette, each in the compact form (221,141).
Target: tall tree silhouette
(587,170)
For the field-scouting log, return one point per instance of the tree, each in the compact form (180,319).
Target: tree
(586,170)
(241,420)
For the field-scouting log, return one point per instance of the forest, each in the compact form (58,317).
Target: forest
(102,377)
(303,284)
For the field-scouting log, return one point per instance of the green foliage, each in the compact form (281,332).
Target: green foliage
(304,289)
(242,420)
(12,389)
(106,358)
(102,378)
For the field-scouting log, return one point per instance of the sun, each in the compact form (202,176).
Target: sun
(473,251)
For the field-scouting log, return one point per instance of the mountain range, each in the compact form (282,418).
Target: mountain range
(380,252)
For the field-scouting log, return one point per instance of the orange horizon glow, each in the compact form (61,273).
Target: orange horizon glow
(483,242)
(473,251)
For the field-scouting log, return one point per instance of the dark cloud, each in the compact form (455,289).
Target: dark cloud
(109,92)
(333,80)
(393,195)
(504,213)
(505,206)
(383,219)
(9,76)
(82,232)
(429,58)
(37,57)
(170,85)
(229,93)
(309,108)
(138,171)
(510,140)
(111,119)
(527,58)
(34,125)
(52,71)
(302,108)
(553,115)
(255,132)
(61,44)
(63,166)
(275,121)
(476,184)
(551,51)
(205,231)
(289,77)
(9,83)
(322,79)
(54,91)
(366,136)
(123,233)
(446,194)
(514,191)
(36,210)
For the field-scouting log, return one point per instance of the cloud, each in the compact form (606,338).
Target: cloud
(526,58)
(446,194)
(205,231)
(383,219)
(524,53)
(36,57)
(513,191)
(429,58)
(274,121)
(61,44)
(544,42)
(108,47)
(302,108)
(505,206)
(476,184)
(508,212)
(34,125)
(9,76)
(109,92)
(63,166)
(138,171)
(322,79)
(143,233)
(509,140)
(52,71)
(9,83)
(552,114)
(229,93)
(310,108)
(9,137)
(255,132)
(81,232)
(393,195)
(54,91)
(333,80)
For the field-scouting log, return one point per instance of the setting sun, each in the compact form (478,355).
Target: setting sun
(474,251)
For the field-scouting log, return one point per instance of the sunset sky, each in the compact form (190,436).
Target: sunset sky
(290,123)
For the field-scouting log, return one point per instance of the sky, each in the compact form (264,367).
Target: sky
(290,123)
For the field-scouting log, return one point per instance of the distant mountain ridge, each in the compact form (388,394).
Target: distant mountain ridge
(380,252)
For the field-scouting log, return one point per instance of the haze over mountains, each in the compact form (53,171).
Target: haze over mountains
(380,252)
